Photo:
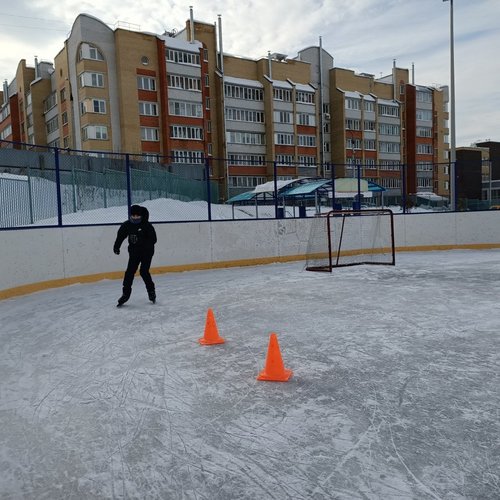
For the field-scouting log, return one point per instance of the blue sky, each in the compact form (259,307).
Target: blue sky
(363,35)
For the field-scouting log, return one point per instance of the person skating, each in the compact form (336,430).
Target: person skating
(141,247)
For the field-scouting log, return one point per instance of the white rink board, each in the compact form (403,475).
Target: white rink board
(45,254)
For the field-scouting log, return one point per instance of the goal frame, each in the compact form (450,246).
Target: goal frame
(334,255)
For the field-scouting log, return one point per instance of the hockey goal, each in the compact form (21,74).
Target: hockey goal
(350,238)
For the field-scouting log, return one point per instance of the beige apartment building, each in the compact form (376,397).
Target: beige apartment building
(178,99)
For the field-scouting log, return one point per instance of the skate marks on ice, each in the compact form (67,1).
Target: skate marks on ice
(395,392)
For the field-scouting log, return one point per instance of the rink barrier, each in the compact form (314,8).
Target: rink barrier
(38,259)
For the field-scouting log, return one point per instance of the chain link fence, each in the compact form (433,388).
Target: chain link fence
(51,186)
(42,186)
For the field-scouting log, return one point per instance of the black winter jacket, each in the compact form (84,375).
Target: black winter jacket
(141,237)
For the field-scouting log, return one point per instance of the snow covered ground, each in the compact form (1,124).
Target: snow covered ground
(395,392)
(167,209)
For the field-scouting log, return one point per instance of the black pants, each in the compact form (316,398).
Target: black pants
(143,258)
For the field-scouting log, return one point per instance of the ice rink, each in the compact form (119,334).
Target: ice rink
(395,392)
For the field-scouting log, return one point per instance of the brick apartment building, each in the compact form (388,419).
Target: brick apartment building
(173,98)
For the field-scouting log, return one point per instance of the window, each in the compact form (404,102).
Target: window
(146,83)
(390,182)
(88,51)
(306,140)
(424,149)
(88,79)
(62,95)
(284,159)
(64,117)
(351,103)
(389,165)
(234,137)
(424,166)
(50,102)
(304,97)
(191,157)
(246,159)
(6,132)
(284,139)
(353,143)
(385,110)
(283,117)
(186,132)
(389,147)
(5,112)
(282,95)
(308,161)
(424,182)
(184,108)
(241,92)
(369,125)
(307,119)
(388,129)
(150,134)
(101,132)
(352,124)
(369,106)
(148,108)
(98,132)
(93,106)
(52,125)
(244,115)
(424,132)
(183,57)
(98,105)
(241,181)
(370,144)
(424,96)
(184,82)
(424,115)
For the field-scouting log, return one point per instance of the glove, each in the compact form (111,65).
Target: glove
(116,250)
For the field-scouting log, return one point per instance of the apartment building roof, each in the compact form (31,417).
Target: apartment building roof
(243,81)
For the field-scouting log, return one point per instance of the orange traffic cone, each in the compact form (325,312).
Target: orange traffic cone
(274,370)
(211,335)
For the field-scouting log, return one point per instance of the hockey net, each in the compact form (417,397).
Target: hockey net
(349,238)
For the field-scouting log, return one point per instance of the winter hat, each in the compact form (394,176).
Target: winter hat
(135,210)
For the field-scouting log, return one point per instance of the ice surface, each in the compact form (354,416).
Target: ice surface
(395,392)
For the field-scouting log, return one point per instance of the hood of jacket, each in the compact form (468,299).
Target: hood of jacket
(145,214)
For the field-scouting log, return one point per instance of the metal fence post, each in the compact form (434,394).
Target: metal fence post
(74,190)
(58,187)
(129,179)
(209,194)
(30,195)
(332,173)
(275,175)
(105,188)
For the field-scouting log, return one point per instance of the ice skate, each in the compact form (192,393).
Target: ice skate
(152,296)
(123,298)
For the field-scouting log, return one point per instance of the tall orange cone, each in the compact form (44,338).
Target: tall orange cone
(211,335)
(274,370)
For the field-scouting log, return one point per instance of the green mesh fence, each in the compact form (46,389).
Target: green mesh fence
(29,187)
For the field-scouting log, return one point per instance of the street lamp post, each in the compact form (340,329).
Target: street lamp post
(453,151)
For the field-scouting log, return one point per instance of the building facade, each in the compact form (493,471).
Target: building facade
(178,99)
